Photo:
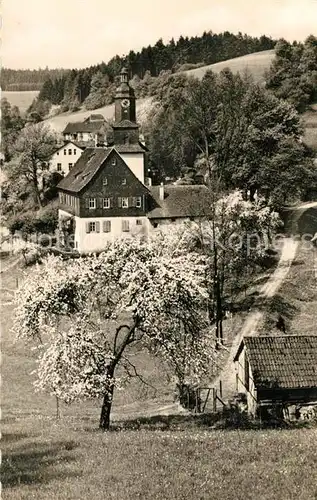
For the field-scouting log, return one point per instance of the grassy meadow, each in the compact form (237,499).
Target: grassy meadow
(22,99)
(256,64)
(153,451)
(296,300)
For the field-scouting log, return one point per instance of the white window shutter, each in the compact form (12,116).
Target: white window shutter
(87,202)
(119,202)
(97,227)
(87,227)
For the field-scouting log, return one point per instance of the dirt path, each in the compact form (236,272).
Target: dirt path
(254,319)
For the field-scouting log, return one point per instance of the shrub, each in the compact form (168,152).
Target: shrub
(46,220)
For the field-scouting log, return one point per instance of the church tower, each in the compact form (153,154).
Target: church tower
(125,129)
(124,100)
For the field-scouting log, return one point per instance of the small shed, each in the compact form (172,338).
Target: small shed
(278,371)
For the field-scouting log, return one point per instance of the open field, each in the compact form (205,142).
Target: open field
(21,99)
(255,64)
(47,461)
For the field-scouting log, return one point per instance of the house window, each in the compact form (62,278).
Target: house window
(92,227)
(106,203)
(125,226)
(138,202)
(139,222)
(92,203)
(105,181)
(125,203)
(70,165)
(59,167)
(113,161)
(65,151)
(124,182)
(74,151)
(106,226)
(57,152)
(69,151)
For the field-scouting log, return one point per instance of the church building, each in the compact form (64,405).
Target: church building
(108,193)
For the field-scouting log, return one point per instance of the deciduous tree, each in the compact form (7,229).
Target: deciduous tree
(32,149)
(84,315)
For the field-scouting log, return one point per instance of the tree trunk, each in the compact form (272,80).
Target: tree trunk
(104,422)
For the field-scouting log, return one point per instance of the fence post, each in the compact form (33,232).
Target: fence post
(220,388)
(214,396)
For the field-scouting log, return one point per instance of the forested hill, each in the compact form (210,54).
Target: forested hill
(206,49)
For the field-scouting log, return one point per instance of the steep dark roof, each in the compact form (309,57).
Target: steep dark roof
(180,201)
(87,126)
(125,124)
(84,169)
(288,361)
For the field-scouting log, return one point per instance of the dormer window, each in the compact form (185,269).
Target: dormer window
(138,202)
(105,181)
(124,182)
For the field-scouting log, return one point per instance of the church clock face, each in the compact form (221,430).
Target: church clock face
(125,103)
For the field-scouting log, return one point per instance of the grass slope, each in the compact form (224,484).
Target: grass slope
(49,461)
(256,64)
(297,297)
(21,99)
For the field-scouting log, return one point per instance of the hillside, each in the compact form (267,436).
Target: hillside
(22,99)
(256,64)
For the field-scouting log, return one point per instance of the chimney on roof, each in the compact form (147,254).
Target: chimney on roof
(161,191)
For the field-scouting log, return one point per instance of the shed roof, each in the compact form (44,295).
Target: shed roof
(288,361)
(180,201)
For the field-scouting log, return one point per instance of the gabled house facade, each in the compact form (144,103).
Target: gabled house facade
(65,157)
(277,371)
(105,199)
(88,131)
(108,193)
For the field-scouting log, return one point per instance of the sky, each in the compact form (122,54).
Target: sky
(76,34)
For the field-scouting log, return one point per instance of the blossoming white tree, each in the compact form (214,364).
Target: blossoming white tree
(155,293)
(234,240)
